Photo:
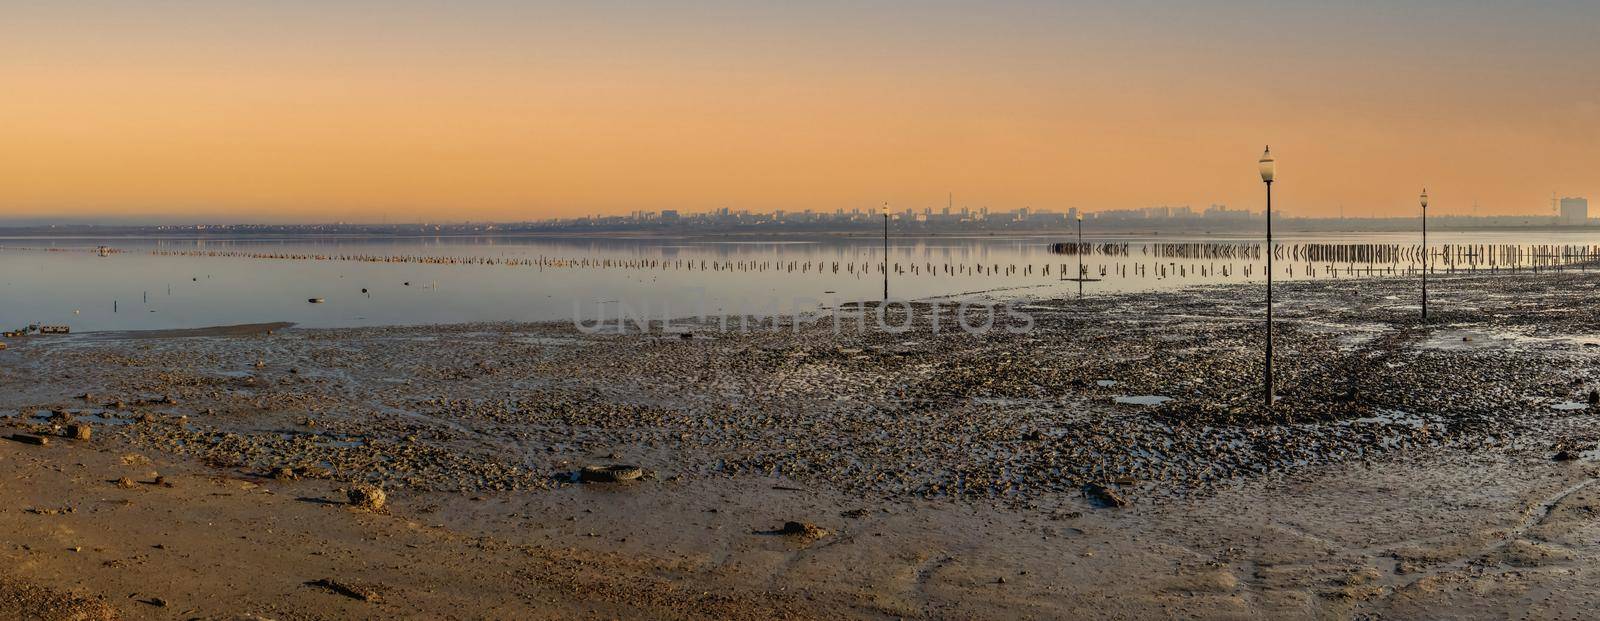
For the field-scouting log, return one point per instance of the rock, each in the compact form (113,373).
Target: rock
(125,483)
(28,438)
(79,431)
(369,497)
(1565,456)
(1104,495)
(803,530)
(1594,397)
(284,473)
(615,473)
(347,589)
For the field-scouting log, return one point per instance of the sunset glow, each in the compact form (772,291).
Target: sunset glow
(485,110)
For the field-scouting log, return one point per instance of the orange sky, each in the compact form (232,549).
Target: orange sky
(501,110)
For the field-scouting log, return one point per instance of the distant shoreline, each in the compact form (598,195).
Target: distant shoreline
(1097,230)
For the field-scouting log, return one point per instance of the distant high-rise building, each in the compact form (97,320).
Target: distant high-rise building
(1575,211)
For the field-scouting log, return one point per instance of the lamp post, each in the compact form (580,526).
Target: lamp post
(1425,258)
(1268,171)
(1080,255)
(886,252)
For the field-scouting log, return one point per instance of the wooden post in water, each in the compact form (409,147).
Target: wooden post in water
(1080,255)
(886,252)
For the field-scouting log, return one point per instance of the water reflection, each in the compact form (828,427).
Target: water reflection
(136,283)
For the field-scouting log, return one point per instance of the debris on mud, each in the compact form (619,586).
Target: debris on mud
(803,531)
(28,438)
(1104,495)
(616,473)
(347,589)
(369,497)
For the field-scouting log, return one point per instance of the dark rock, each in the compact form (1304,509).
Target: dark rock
(369,497)
(609,474)
(28,438)
(1104,495)
(803,530)
(347,589)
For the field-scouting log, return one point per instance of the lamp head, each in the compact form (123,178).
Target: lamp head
(1268,165)
(1424,198)
(1080,217)
(885,210)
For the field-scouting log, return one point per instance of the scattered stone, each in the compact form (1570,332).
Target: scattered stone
(609,474)
(28,438)
(1565,456)
(80,431)
(125,483)
(369,497)
(347,589)
(1104,495)
(805,531)
(284,473)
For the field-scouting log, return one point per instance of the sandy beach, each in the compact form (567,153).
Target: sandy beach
(1114,461)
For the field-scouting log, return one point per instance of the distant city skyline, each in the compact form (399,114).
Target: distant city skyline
(300,111)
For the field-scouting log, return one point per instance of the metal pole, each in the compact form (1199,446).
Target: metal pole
(1425,260)
(1269,295)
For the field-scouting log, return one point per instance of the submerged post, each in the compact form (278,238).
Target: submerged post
(1268,172)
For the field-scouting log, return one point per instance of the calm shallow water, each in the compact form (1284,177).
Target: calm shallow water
(150,283)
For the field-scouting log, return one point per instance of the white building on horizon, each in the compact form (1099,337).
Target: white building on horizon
(1574,211)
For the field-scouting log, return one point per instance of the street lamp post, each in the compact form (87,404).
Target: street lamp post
(1268,171)
(886,252)
(1426,259)
(1080,255)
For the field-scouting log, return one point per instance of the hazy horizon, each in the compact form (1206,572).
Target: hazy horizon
(512,111)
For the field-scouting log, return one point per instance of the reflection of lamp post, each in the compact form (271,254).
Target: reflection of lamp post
(886,252)
(1080,255)
(1268,171)
(1425,258)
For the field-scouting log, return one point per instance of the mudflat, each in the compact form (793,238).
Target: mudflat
(1114,460)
